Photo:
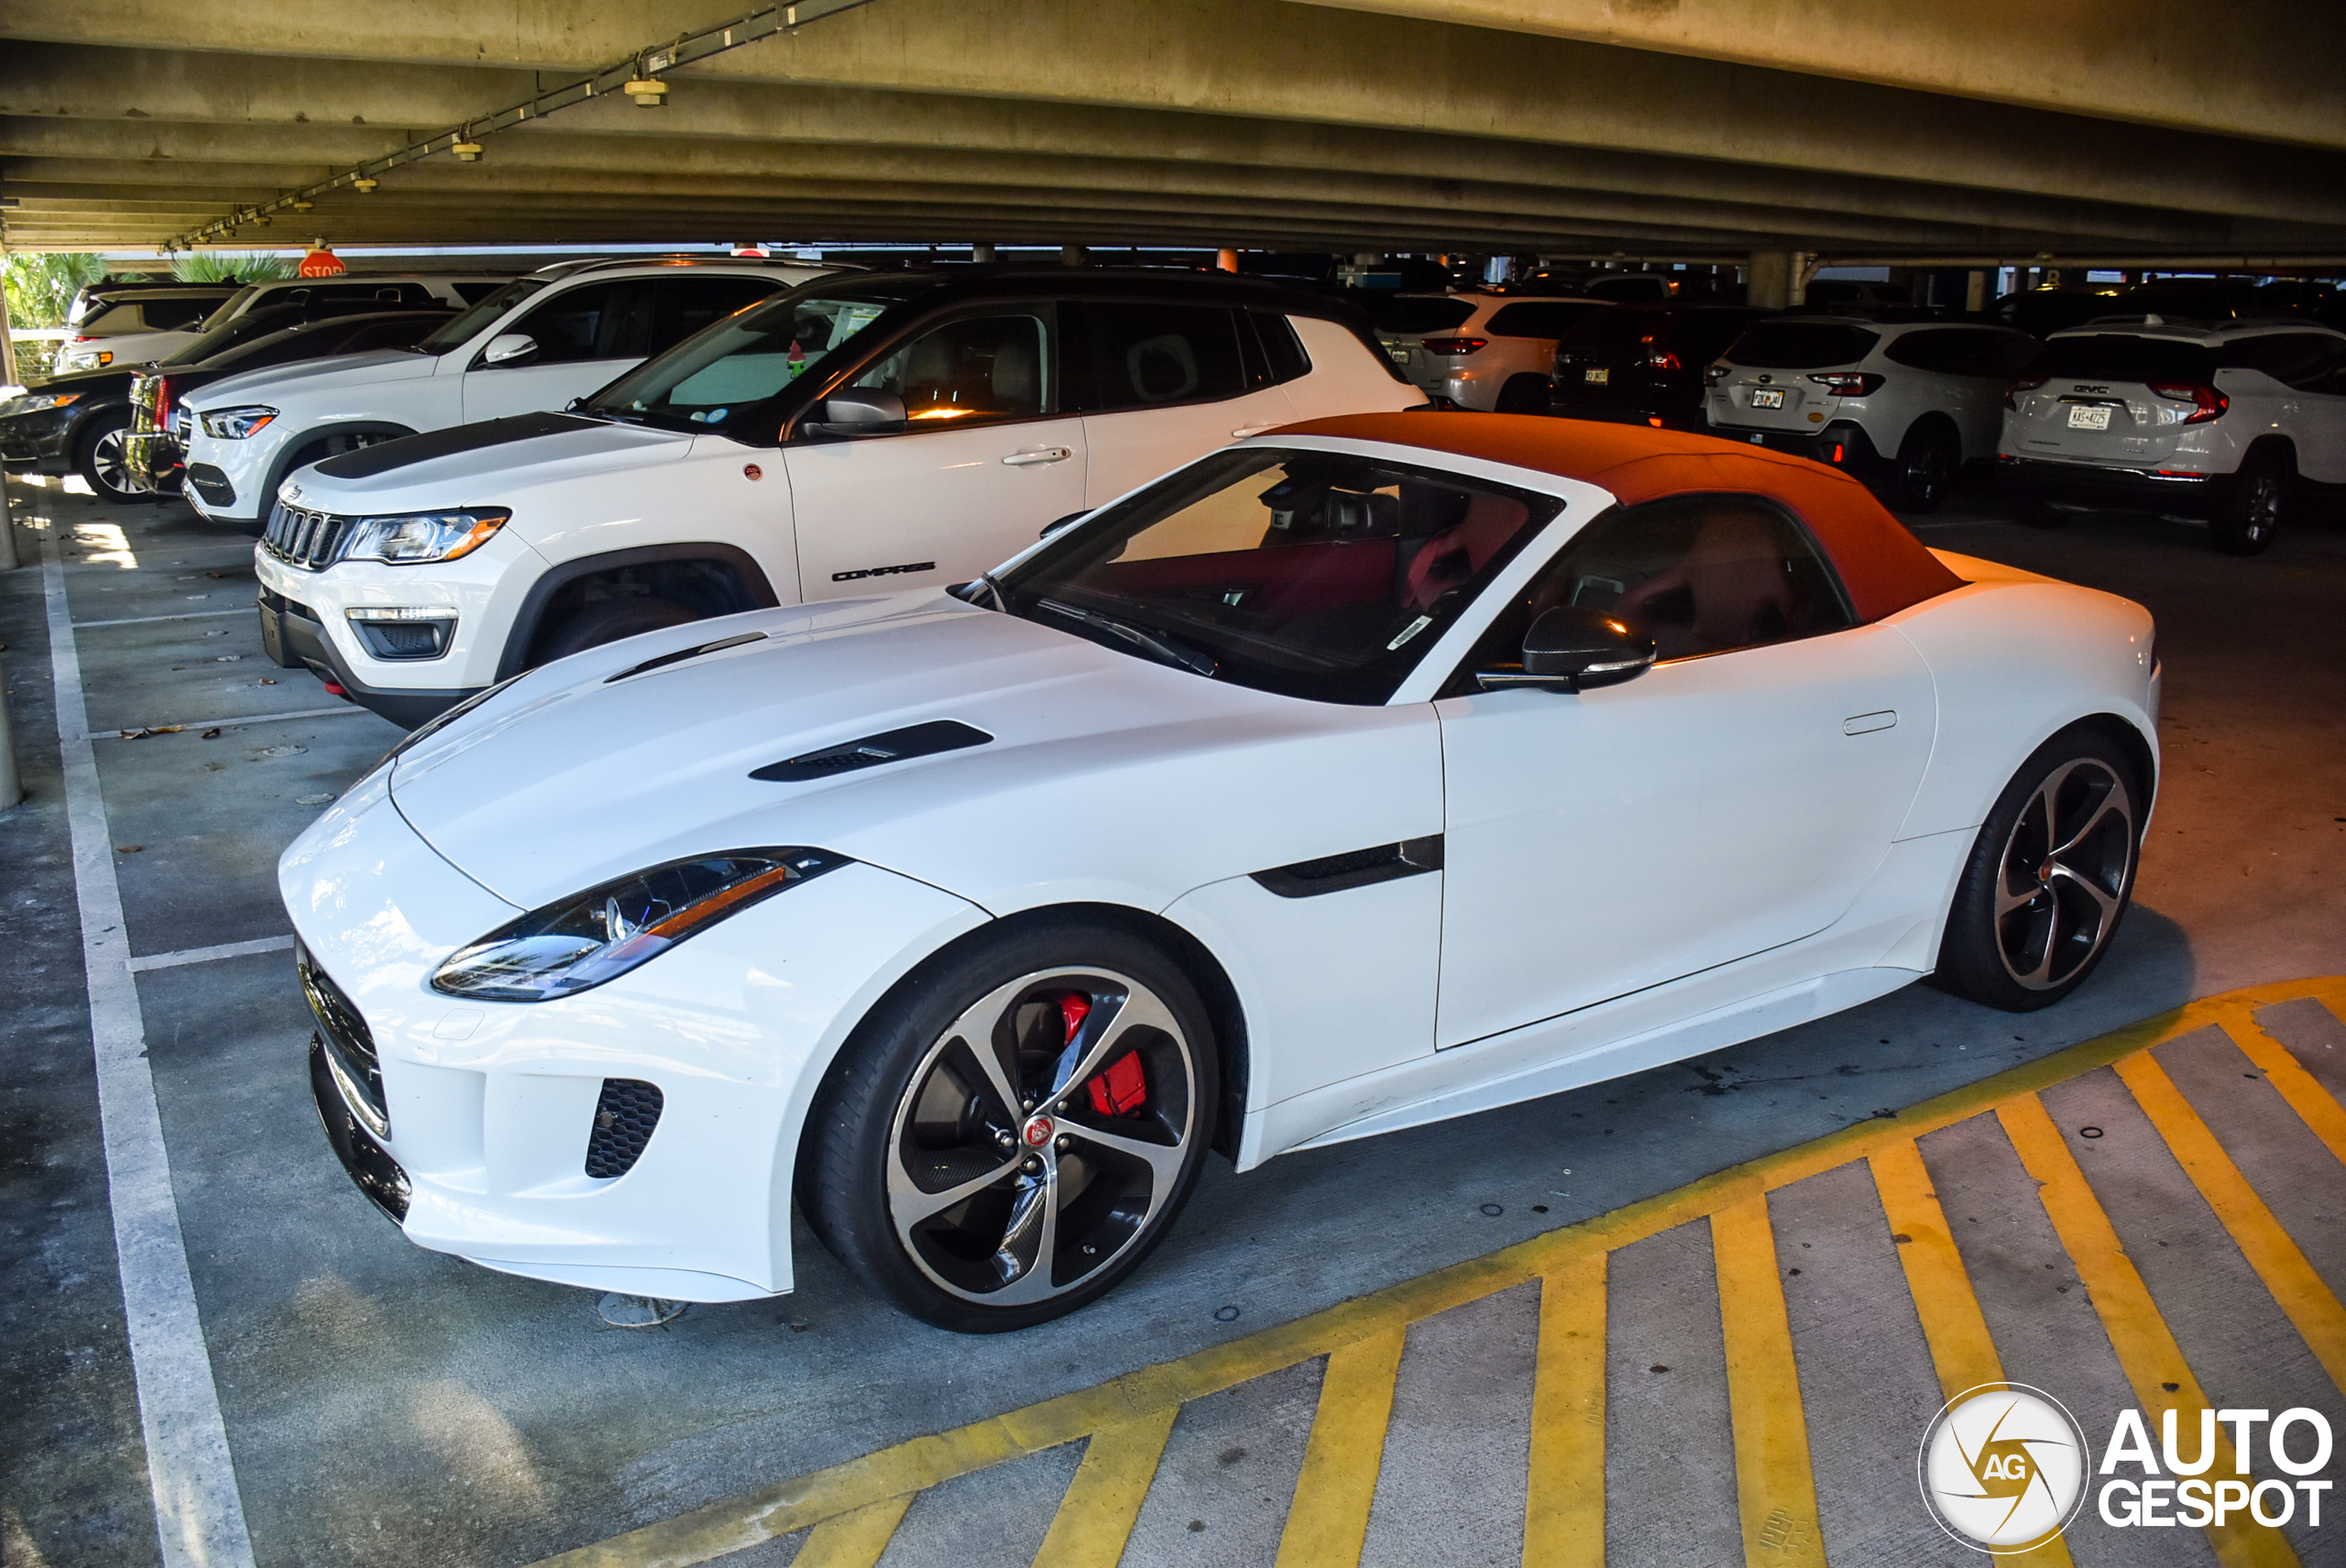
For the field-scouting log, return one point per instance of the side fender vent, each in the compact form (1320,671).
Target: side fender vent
(889,746)
(1354,868)
(624,1117)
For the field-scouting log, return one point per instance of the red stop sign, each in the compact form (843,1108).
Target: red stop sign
(322,264)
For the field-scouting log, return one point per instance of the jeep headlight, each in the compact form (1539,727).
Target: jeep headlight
(596,936)
(425,536)
(236,424)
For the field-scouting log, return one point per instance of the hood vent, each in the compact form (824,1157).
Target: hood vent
(889,746)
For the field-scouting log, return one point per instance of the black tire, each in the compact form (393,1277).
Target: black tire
(911,1112)
(2049,879)
(1525,395)
(1925,466)
(103,459)
(600,623)
(2252,513)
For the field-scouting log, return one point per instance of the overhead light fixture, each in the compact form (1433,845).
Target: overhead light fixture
(467,150)
(648,92)
(365,185)
(301,206)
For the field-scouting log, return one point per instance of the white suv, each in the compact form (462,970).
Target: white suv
(134,326)
(1490,351)
(2216,420)
(1901,404)
(876,431)
(535,343)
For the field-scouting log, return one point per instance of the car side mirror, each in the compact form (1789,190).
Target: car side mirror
(1571,648)
(860,410)
(510,348)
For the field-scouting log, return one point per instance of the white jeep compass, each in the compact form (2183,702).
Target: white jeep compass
(536,342)
(874,430)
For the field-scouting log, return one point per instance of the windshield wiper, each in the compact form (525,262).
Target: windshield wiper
(1165,648)
(968,592)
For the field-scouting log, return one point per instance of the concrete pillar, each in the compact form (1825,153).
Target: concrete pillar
(1073,256)
(1775,279)
(1975,291)
(7,351)
(1226,259)
(981,251)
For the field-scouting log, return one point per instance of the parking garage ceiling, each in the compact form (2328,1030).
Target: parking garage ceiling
(2003,130)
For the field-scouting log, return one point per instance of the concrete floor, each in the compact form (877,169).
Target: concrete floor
(387,1405)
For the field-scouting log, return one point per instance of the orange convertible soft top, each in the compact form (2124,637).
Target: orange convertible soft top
(1885,568)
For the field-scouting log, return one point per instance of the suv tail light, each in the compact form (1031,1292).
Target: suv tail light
(2018,384)
(2205,401)
(1714,374)
(1453,345)
(1847,383)
(161,418)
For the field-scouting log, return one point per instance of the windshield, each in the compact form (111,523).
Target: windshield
(1415,312)
(726,377)
(229,307)
(2115,356)
(1303,573)
(460,330)
(1800,345)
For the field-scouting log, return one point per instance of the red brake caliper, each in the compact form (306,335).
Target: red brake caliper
(1122,1089)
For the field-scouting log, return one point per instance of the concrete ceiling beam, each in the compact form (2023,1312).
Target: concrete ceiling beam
(312,100)
(267,159)
(1241,58)
(2268,71)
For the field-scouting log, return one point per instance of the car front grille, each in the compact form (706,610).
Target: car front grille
(624,1117)
(348,1043)
(309,540)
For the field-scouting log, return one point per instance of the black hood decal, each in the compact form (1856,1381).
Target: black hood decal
(385,456)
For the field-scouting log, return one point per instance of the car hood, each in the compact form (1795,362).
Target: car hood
(485,462)
(1107,777)
(85,381)
(338,374)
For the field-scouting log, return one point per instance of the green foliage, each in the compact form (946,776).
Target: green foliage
(214,265)
(41,284)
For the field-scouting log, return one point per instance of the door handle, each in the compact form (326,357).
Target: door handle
(1865,723)
(1244,431)
(1042,454)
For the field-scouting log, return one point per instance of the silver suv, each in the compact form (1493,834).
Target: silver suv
(1494,353)
(2226,421)
(1902,405)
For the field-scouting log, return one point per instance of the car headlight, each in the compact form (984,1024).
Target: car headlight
(426,536)
(236,424)
(33,402)
(599,935)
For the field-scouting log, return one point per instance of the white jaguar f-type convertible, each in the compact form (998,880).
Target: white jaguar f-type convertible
(1376,770)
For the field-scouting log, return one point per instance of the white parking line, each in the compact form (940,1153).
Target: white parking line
(149,619)
(201,724)
(205,955)
(199,1516)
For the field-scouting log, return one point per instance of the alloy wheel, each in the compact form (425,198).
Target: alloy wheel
(109,462)
(2062,881)
(1042,1133)
(2261,507)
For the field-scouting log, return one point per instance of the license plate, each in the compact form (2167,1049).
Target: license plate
(2083,416)
(1399,352)
(1768,397)
(1597,376)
